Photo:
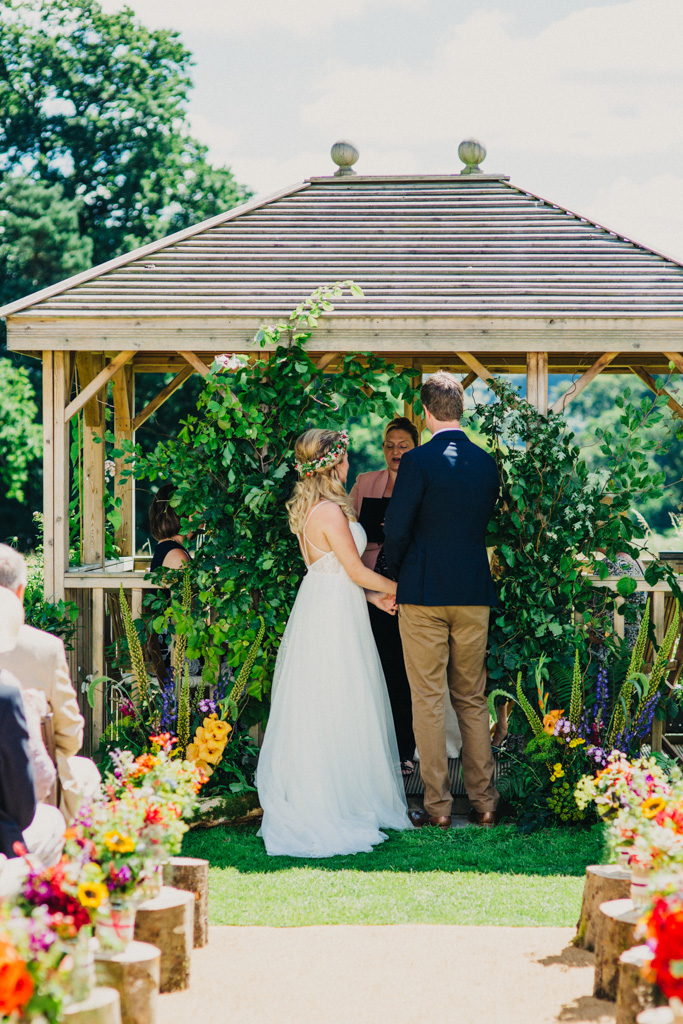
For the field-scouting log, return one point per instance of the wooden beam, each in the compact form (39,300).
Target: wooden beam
(97,666)
(578,385)
(124,430)
(537,380)
(475,366)
(676,358)
(60,519)
(325,360)
(48,475)
(469,379)
(163,395)
(675,406)
(194,361)
(89,364)
(97,384)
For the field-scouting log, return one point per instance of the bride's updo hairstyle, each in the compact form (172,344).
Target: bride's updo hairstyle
(318,475)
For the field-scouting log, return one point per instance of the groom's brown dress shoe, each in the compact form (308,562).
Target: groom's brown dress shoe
(420,818)
(485,819)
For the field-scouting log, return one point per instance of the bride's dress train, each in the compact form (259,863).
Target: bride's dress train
(328,774)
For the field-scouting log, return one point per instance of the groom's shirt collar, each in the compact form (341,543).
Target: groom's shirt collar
(447,430)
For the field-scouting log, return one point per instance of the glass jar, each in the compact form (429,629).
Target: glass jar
(115,924)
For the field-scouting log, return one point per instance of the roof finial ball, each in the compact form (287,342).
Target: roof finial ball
(472,153)
(344,155)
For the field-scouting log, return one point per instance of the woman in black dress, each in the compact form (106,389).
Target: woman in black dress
(375,489)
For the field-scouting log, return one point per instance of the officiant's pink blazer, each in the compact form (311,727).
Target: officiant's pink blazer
(369,485)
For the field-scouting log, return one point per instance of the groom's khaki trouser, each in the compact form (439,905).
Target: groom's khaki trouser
(445,652)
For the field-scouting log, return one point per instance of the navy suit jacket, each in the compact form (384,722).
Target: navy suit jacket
(17,796)
(435,526)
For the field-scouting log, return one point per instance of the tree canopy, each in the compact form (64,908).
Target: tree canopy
(96,103)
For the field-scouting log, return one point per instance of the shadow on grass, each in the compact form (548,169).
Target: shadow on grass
(502,850)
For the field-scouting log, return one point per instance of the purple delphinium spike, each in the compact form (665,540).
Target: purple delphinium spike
(169,707)
(221,687)
(601,695)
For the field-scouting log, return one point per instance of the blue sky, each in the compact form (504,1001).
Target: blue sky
(579,102)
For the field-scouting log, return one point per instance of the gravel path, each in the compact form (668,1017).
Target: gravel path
(399,974)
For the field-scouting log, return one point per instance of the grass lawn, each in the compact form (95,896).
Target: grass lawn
(463,876)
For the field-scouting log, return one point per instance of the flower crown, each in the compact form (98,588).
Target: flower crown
(328,459)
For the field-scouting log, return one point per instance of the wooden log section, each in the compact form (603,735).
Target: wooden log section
(634,993)
(192,875)
(658,1015)
(103,1006)
(604,882)
(135,974)
(615,935)
(167,921)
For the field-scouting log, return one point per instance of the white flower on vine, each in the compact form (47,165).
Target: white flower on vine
(232,362)
(110,468)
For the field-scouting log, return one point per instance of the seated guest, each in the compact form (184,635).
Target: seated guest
(38,661)
(37,827)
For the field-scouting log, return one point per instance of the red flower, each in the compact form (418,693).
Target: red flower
(153,815)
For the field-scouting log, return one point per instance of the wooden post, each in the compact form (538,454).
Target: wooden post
(124,414)
(60,524)
(167,921)
(97,664)
(103,1006)
(92,512)
(615,934)
(48,475)
(537,380)
(603,882)
(135,975)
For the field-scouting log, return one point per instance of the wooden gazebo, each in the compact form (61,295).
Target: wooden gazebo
(464,271)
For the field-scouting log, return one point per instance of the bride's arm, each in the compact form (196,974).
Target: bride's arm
(335,528)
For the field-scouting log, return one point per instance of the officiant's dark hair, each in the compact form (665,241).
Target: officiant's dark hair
(443,395)
(403,423)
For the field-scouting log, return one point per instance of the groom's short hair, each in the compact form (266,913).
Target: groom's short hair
(444,396)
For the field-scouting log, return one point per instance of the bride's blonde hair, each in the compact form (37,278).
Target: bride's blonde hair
(318,483)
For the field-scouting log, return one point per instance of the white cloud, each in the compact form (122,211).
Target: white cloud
(232,18)
(649,212)
(602,81)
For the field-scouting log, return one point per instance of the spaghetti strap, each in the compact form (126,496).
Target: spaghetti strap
(306,541)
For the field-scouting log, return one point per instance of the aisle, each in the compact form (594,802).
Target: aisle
(400,974)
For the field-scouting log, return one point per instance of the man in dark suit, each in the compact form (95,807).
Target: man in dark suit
(17,797)
(435,545)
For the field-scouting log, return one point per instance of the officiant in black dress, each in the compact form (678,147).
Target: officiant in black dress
(370,496)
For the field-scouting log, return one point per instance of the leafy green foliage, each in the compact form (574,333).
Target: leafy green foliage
(554,520)
(232,465)
(96,103)
(20,435)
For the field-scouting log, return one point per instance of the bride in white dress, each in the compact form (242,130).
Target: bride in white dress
(329,773)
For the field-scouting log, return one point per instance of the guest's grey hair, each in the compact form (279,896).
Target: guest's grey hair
(13,571)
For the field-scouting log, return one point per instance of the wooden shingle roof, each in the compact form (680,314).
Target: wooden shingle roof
(422,246)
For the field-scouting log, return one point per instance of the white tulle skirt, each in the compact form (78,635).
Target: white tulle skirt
(328,774)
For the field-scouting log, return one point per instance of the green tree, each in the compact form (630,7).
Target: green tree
(20,435)
(40,241)
(96,102)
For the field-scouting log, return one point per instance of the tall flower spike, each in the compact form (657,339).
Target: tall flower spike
(648,702)
(135,649)
(180,645)
(243,678)
(532,717)
(576,702)
(622,708)
(184,713)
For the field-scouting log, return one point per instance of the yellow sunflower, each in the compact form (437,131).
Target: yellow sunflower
(91,894)
(652,806)
(119,842)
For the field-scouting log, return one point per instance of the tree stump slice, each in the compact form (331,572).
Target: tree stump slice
(135,974)
(634,993)
(604,882)
(192,875)
(615,935)
(167,921)
(102,1006)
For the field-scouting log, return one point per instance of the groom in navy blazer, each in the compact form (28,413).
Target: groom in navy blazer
(435,545)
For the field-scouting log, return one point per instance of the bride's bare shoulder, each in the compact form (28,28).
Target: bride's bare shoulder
(329,514)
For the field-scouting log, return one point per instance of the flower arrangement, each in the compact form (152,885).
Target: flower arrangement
(110,834)
(70,891)
(35,967)
(664,930)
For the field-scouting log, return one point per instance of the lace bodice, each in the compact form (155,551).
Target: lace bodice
(330,564)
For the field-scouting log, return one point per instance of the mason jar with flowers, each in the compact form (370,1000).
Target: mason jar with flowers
(36,967)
